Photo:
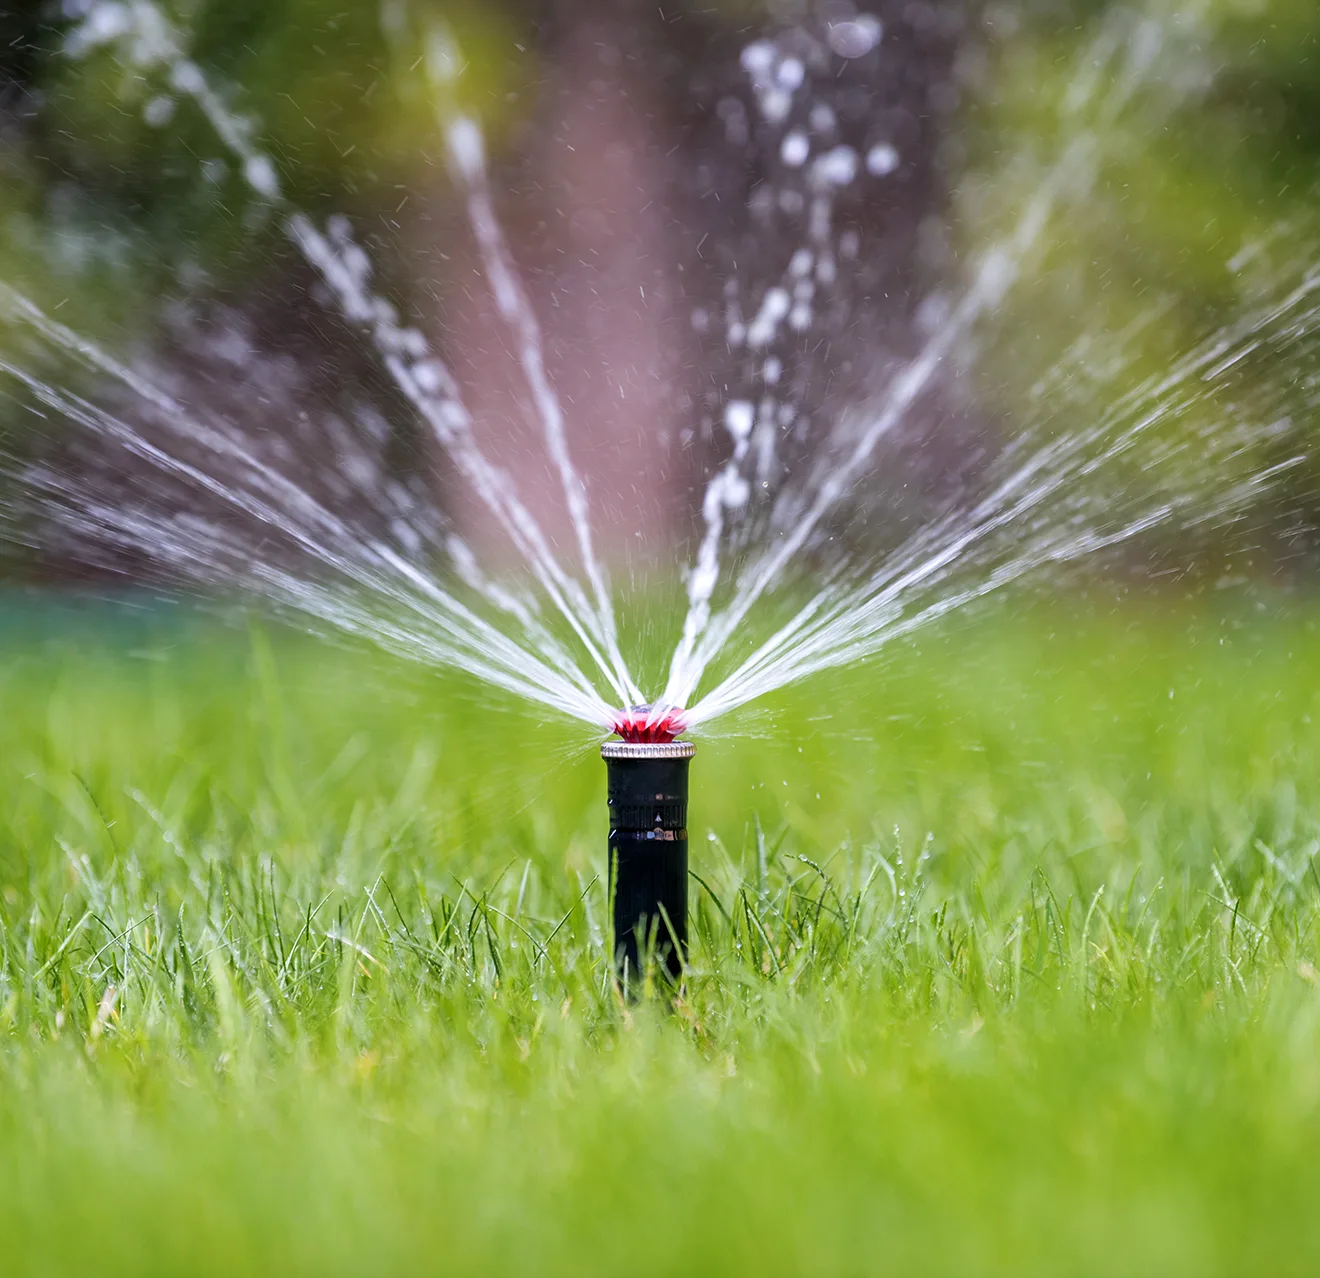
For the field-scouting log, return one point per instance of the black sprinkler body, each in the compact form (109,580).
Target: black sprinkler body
(648,796)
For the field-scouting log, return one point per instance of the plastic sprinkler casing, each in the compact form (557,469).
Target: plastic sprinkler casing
(648,849)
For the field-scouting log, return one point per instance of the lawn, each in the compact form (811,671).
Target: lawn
(1005,962)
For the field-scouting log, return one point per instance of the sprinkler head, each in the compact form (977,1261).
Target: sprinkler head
(637,725)
(648,845)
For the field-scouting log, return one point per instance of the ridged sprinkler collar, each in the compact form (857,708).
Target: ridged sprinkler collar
(643,750)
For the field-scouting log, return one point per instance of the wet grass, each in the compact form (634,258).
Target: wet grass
(1005,961)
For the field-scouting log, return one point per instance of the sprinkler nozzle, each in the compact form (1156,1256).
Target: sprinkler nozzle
(648,846)
(641,725)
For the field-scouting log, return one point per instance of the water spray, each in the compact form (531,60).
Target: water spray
(647,774)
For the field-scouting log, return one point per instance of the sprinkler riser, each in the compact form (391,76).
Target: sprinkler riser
(648,851)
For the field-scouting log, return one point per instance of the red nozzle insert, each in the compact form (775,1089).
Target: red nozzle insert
(635,725)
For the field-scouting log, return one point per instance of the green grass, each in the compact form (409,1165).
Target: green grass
(1007,963)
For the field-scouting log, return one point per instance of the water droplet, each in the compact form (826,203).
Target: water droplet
(773,309)
(466,148)
(187,78)
(738,419)
(791,73)
(795,149)
(775,105)
(855,38)
(881,160)
(758,58)
(822,118)
(159,111)
(836,167)
(261,176)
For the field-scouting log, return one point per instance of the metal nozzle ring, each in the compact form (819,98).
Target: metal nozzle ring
(645,750)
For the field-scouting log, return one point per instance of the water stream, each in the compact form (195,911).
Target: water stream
(773,592)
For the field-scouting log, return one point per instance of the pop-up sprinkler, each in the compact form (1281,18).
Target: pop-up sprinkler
(648,791)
